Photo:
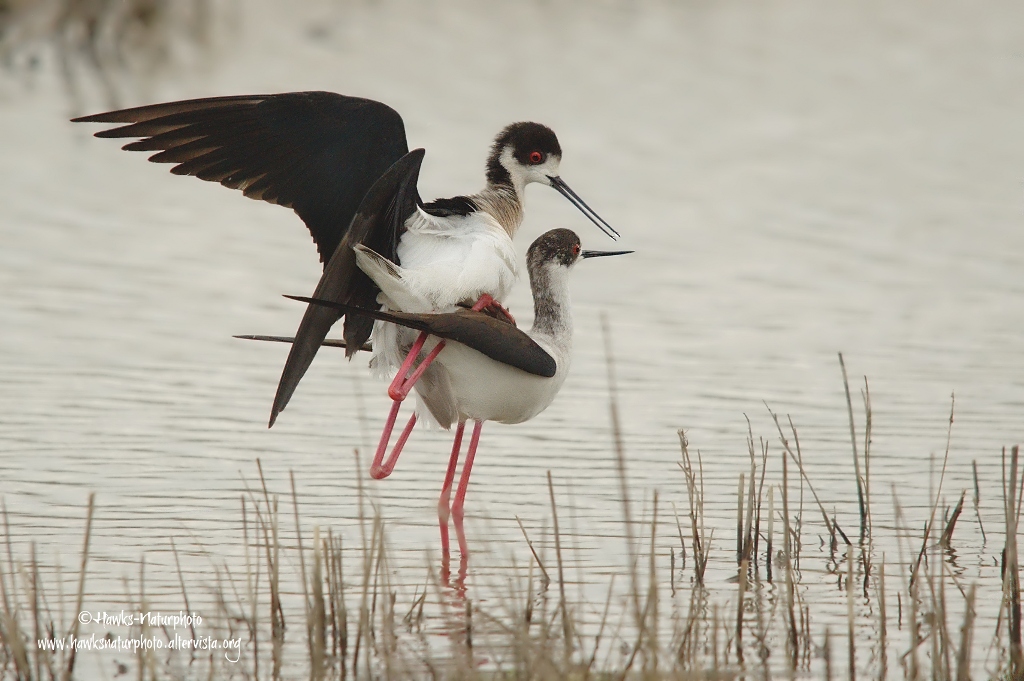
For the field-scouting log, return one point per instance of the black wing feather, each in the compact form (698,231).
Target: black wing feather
(488,335)
(378,224)
(457,205)
(315,152)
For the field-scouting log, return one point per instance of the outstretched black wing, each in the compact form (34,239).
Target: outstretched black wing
(492,337)
(315,152)
(378,224)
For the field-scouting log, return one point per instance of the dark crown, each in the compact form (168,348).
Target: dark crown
(524,138)
(558,245)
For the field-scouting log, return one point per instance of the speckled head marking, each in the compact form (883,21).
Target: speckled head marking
(560,246)
(549,260)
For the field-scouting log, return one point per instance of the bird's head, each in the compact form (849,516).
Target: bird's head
(529,152)
(523,153)
(560,248)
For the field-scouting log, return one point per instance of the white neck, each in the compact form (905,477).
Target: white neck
(552,314)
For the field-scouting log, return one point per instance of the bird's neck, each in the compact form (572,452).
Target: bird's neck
(551,308)
(502,198)
(502,202)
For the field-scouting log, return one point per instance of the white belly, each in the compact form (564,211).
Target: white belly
(445,262)
(458,260)
(486,390)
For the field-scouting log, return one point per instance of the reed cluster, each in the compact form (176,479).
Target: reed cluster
(319,607)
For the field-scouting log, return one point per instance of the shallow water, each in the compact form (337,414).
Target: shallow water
(797,180)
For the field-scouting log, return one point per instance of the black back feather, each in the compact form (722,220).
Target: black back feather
(457,205)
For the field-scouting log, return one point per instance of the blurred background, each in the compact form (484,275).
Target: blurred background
(797,179)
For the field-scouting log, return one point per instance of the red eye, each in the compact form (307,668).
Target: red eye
(576,249)
(536,157)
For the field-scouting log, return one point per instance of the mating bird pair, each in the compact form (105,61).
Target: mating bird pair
(426,279)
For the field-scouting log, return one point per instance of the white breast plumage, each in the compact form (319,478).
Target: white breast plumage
(444,262)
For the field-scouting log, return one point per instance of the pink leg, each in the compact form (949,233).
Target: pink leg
(378,470)
(446,490)
(460,494)
(399,390)
(403,382)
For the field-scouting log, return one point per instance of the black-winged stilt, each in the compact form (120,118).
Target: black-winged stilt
(484,368)
(343,165)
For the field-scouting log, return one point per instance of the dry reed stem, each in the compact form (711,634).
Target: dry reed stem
(826,653)
(184,591)
(977,501)
(272,548)
(862,505)
(771,533)
(963,659)
(760,498)
(540,564)
(601,627)
(650,631)
(1011,575)
(883,626)
(298,540)
(741,591)
(562,603)
(701,544)
(947,534)
(908,659)
(740,544)
(792,637)
(829,523)
(37,652)
(866,396)
(850,629)
(252,586)
(620,462)
(938,493)
(318,630)
(80,595)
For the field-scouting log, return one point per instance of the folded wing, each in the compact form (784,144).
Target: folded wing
(492,337)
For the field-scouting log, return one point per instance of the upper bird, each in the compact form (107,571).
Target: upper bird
(344,166)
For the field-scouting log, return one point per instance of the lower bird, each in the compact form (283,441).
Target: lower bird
(482,367)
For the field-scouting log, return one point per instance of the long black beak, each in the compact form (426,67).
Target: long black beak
(562,188)
(601,254)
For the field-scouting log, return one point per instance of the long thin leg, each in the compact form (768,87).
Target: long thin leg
(378,471)
(398,391)
(404,381)
(403,384)
(460,493)
(446,490)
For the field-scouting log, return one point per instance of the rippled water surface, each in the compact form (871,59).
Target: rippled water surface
(796,180)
